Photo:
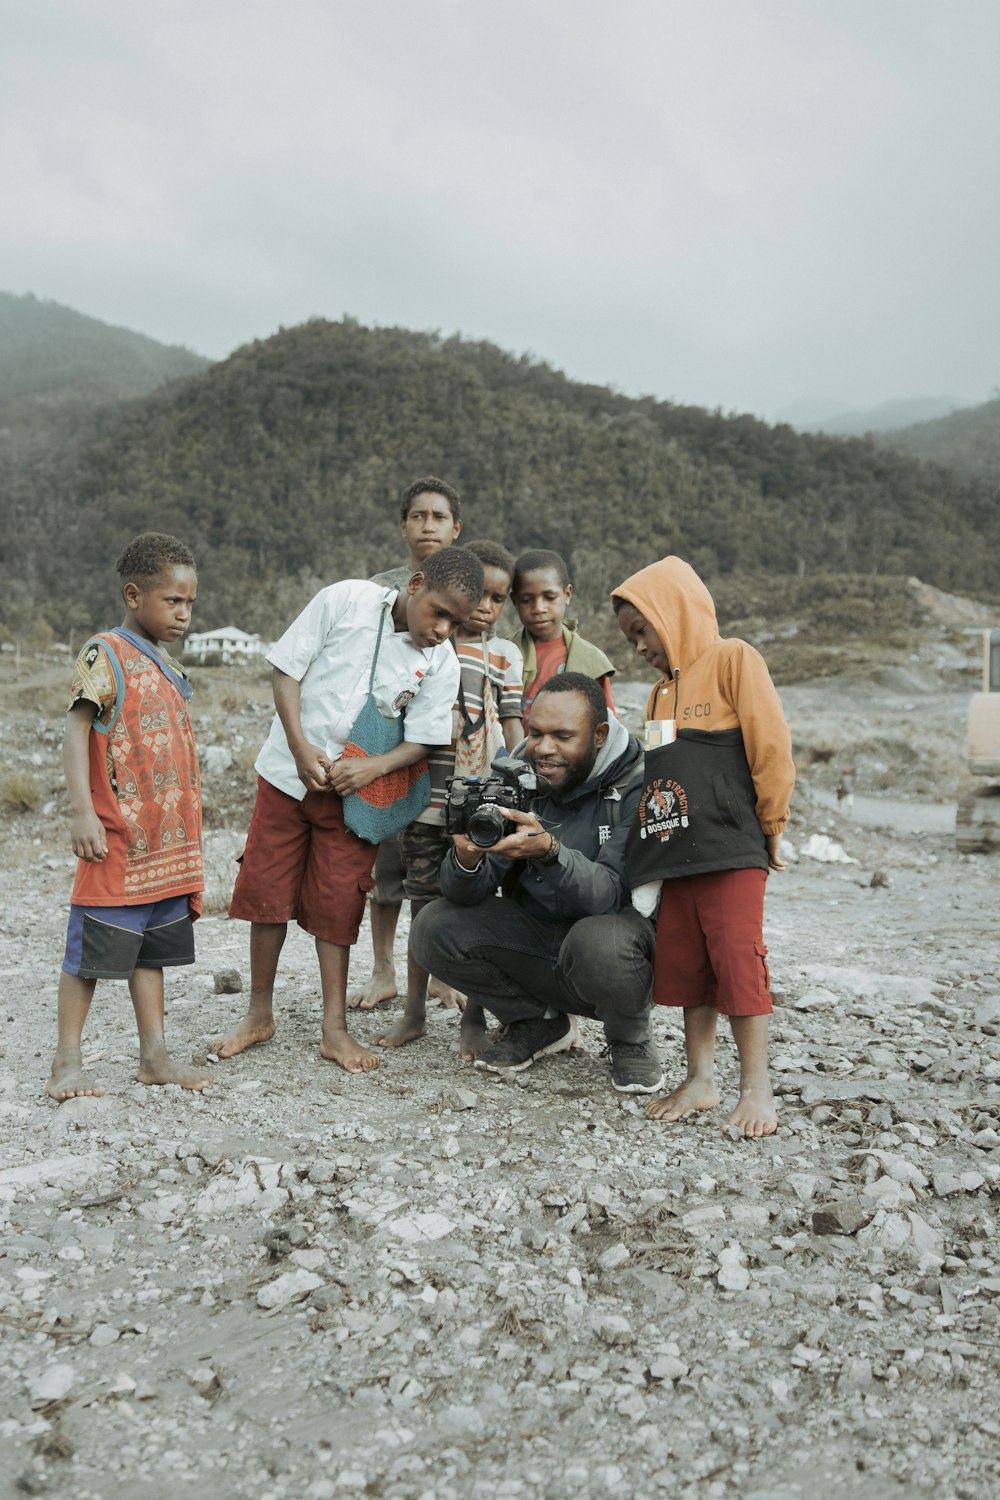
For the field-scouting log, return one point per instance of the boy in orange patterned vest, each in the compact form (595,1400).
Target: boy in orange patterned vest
(135,796)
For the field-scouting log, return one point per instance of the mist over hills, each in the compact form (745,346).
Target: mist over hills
(282,465)
(832,418)
(57,366)
(50,353)
(967,441)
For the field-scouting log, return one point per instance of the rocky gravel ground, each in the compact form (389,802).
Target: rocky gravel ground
(430,1283)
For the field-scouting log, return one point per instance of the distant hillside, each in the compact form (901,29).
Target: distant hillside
(57,366)
(282,466)
(49,353)
(887,415)
(968,441)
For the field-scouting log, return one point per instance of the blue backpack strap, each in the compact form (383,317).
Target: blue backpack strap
(119,675)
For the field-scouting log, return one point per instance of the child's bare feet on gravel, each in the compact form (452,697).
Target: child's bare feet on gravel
(409,1028)
(693,1094)
(379,988)
(473,1037)
(340,1047)
(161,1068)
(755,1113)
(247,1034)
(68,1080)
(447,998)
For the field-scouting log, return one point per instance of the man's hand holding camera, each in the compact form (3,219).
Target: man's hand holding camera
(527,840)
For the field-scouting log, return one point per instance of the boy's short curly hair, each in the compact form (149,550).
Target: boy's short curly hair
(588,688)
(541,561)
(454,570)
(430,485)
(493,555)
(150,554)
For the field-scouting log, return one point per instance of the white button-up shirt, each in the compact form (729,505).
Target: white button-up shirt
(328,650)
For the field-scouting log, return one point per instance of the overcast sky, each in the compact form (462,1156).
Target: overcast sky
(738,203)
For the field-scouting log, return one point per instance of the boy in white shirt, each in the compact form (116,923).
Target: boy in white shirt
(300,862)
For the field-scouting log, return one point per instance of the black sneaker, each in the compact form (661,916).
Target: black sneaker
(523,1041)
(635,1067)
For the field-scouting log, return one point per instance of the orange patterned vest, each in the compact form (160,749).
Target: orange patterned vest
(145,787)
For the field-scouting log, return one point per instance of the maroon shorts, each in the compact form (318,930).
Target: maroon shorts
(302,865)
(710,943)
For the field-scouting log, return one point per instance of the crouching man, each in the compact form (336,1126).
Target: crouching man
(563,939)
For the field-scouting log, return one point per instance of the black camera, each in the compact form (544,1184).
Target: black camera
(473,806)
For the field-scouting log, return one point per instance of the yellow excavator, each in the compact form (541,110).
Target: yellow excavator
(977,822)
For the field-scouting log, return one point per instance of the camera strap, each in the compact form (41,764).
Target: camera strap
(614,794)
(471,726)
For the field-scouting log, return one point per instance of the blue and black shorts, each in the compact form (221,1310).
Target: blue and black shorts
(110,942)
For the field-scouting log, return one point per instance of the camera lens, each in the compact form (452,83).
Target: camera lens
(487,826)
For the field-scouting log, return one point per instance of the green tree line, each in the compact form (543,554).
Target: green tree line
(282,466)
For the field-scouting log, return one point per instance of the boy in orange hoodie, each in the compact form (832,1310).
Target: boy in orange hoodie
(719,775)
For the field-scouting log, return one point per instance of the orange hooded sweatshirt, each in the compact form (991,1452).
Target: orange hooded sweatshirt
(714,683)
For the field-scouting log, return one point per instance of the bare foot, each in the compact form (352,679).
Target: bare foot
(473,1038)
(408,1028)
(693,1094)
(340,1047)
(378,989)
(446,997)
(246,1034)
(160,1068)
(68,1080)
(755,1113)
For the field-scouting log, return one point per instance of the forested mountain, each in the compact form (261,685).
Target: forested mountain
(968,441)
(51,354)
(57,366)
(282,466)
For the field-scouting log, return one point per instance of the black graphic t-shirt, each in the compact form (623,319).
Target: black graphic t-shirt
(697,810)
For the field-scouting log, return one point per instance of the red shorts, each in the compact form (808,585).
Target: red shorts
(302,865)
(710,943)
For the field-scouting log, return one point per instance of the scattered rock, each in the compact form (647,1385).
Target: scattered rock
(291,1286)
(283,1240)
(459,1099)
(53,1384)
(215,759)
(614,1330)
(856,1374)
(419,1228)
(822,847)
(227,981)
(207,1381)
(843,1216)
(814,998)
(733,1275)
(667,1367)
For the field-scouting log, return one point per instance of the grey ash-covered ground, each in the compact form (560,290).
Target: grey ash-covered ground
(430,1283)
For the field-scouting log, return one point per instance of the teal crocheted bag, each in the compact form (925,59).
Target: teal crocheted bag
(390,803)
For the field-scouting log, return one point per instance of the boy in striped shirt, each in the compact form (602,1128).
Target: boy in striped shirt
(486,718)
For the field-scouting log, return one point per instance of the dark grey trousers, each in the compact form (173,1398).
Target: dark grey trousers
(518,967)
